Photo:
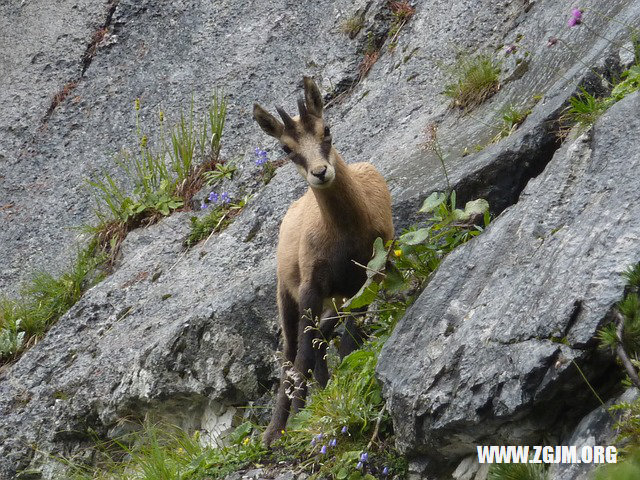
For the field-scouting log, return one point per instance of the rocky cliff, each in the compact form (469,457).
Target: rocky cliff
(191,335)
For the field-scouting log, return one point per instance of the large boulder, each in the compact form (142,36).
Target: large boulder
(493,350)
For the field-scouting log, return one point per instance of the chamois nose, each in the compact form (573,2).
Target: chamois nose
(319,172)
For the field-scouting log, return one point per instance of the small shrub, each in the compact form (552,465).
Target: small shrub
(475,80)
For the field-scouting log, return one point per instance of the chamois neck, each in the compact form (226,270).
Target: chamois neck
(342,204)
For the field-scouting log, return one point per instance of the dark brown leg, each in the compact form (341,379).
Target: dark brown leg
(289,319)
(310,306)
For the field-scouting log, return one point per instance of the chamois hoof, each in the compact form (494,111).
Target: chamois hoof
(270,435)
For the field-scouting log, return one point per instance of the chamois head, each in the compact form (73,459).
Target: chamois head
(304,138)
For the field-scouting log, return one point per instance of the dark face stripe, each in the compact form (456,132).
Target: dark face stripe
(299,160)
(325,148)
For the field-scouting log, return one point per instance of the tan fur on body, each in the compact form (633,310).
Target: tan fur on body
(322,235)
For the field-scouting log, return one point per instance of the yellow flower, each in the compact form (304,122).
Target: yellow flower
(245,441)
(397,253)
(180,450)
(282,432)
(161,116)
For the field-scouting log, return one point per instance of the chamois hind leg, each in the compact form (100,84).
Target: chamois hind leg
(289,309)
(310,302)
(353,337)
(327,325)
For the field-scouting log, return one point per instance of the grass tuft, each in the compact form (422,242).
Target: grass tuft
(475,80)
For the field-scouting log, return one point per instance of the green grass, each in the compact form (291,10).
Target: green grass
(352,25)
(584,108)
(43,301)
(216,220)
(475,79)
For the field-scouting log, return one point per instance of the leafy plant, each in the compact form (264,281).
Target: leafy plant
(219,173)
(475,80)
(418,252)
(512,118)
(585,108)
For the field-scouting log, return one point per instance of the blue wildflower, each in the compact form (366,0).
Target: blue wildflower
(345,430)
(213,197)
(333,443)
(262,157)
(385,471)
(364,457)
(203,206)
(224,198)
(359,466)
(323,450)
(313,442)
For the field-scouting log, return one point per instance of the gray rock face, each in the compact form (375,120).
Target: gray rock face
(198,340)
(486,354)
(597,428)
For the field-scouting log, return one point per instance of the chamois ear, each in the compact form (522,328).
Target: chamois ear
(312,97)
(268,123)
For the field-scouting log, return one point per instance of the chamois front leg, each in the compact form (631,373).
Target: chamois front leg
(289,311)
(311,299)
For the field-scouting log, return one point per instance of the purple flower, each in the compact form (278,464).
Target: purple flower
(313,442)
(385,471)
(224,198)
(203,206)
(345,430)
(323,450)
(576,17)
(333,443)
(213,197)
(510,49)
(319,436)
(262,157)
(359,466)
(364,457)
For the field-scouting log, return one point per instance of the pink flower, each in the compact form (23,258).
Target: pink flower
(576,18)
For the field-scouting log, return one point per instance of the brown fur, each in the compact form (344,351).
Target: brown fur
(323,233)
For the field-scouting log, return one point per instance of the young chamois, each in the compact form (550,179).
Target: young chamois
(322,235)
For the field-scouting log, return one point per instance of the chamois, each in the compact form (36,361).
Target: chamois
(332,226)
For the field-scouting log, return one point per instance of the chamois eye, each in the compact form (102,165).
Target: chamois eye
(286,149)
(327,132)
